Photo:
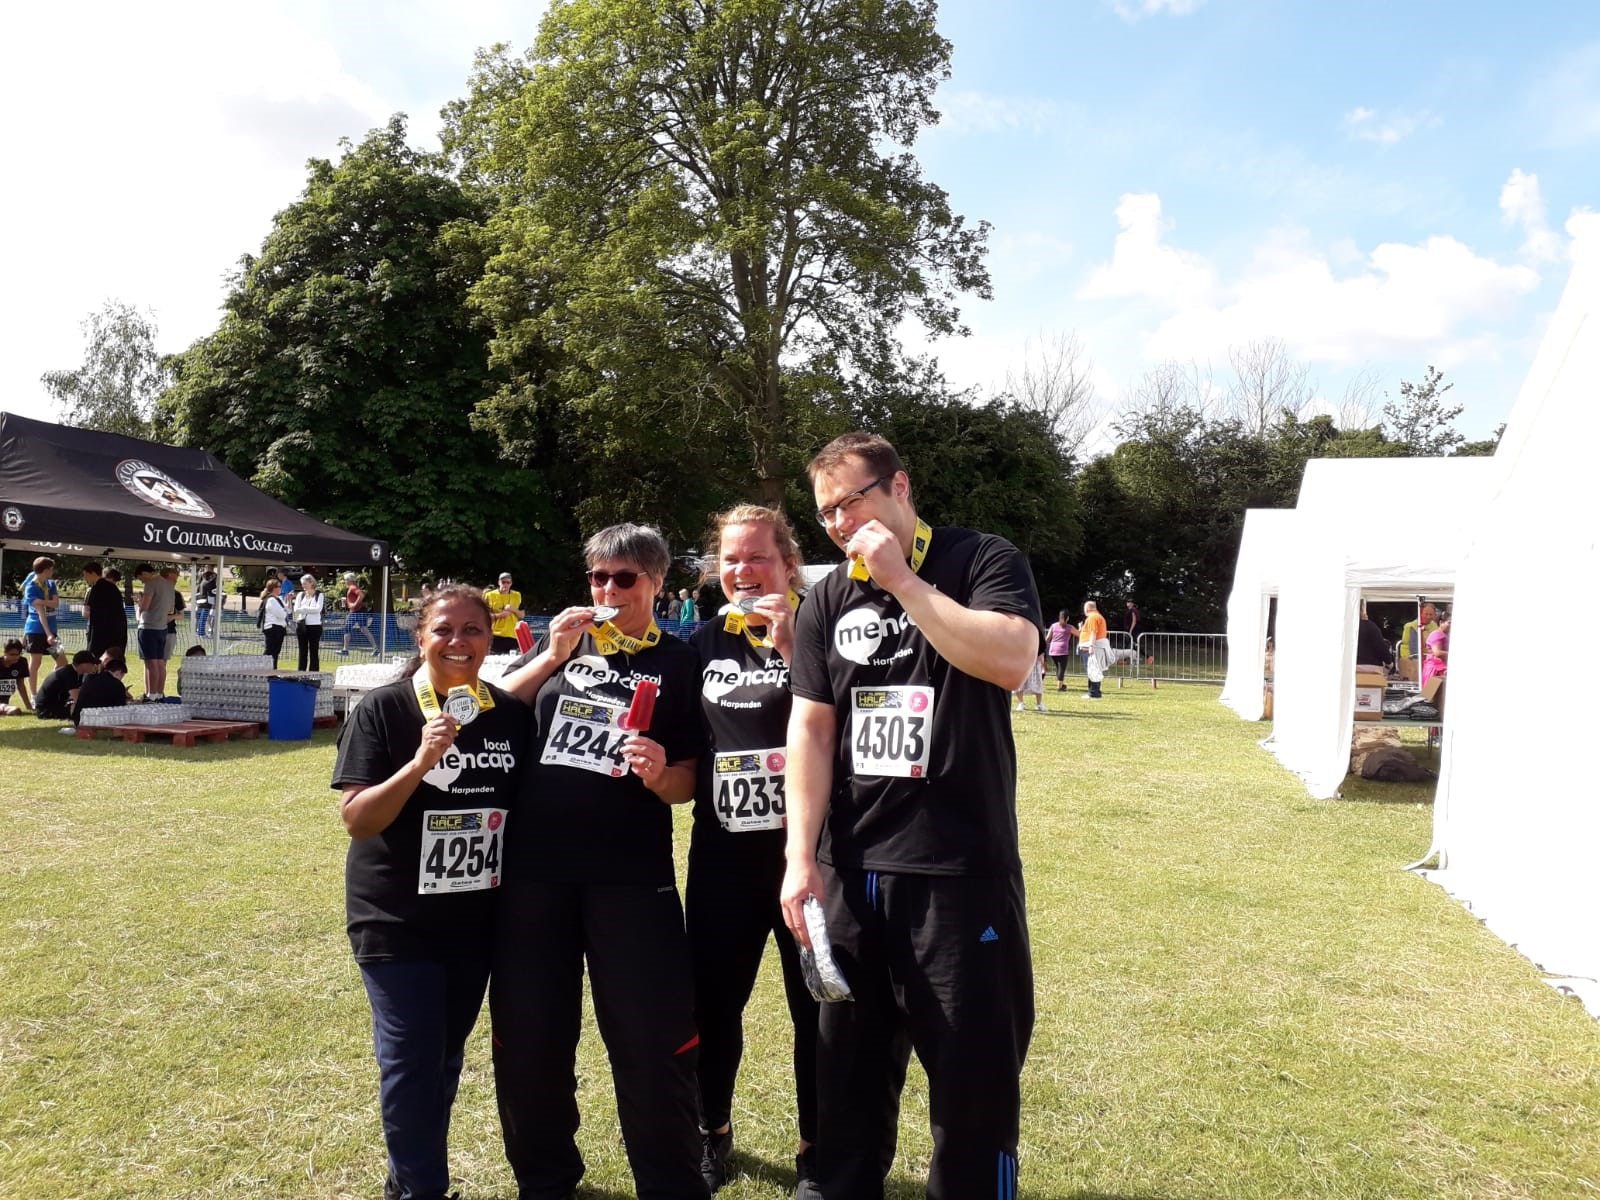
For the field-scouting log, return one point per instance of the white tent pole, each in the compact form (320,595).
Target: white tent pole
(383,617)
(218,605)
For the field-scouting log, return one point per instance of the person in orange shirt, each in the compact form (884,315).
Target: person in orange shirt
(1095,647)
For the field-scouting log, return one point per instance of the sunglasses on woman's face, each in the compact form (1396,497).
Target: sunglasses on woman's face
(623,579)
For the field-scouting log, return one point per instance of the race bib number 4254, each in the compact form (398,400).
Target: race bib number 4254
(891,730)
(460,850)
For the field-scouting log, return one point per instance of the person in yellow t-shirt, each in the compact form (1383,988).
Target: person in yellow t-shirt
(506,605)
(1414,644)
(1094,646)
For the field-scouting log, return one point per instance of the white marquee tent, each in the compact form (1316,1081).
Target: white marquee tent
(1263,548)
(1379,528)
(1517,812)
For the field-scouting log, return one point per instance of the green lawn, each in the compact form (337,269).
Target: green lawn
(1239,992)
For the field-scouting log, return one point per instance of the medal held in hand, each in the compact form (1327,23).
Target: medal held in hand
(461,705)
(603,613)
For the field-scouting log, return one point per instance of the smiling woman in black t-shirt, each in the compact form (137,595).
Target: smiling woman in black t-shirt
(427,771)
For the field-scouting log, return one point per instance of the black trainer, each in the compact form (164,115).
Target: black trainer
(714,1151)
(805,1175)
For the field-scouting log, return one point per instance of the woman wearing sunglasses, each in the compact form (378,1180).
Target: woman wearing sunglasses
(589,881)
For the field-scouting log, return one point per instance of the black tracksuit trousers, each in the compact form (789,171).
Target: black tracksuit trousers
(729,920)
(631,936)
(938,964)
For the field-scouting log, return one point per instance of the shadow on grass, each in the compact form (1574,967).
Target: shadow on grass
(1357,790)
(782,1176)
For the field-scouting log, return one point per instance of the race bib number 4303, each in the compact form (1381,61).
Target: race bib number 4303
(890,730)
(587,734)
(460,850)
(749,789)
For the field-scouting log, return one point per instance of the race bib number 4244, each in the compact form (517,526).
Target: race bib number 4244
(460,850)
(891,730)
(587,734)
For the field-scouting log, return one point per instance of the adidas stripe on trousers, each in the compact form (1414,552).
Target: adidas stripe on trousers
(938,964)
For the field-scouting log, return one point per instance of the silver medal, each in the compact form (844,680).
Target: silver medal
(747,604)
(604,612)
(461,705)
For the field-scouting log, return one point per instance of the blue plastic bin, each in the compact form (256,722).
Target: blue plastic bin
(291,705)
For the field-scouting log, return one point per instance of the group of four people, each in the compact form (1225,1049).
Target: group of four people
(852,747)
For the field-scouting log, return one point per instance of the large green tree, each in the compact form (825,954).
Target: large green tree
(347,367)
(709,224)
(116,386)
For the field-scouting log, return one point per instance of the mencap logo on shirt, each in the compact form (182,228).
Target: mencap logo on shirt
(861,631)
(495,756)
(722,675)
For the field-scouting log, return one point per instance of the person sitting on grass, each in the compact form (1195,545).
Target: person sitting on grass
(60,689)
(14,680)
(102,689)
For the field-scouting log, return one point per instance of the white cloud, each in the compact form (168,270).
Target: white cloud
(979,112)
(1402,301)
(1142,264)
(1137,10)
(1521,204)
(1368,125)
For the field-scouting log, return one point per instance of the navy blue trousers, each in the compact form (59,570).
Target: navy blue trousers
(422,1013)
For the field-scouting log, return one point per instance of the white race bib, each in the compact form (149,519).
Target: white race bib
(587,734)
(890,730)
(460,850)
(748,789)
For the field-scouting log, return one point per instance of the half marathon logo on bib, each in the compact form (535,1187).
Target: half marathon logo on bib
(154,486)
(862,631)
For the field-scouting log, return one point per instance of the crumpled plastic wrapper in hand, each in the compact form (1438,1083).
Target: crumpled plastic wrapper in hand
(822,975)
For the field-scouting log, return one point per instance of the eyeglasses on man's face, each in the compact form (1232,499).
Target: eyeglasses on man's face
(623,579)
(848,502)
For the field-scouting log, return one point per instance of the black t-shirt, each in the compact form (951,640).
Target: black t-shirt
(739,806)
(388,915)
(1370,646)
(586,817)
(99,690)
(108,619)
(10,674)
(949,805)
(54,700)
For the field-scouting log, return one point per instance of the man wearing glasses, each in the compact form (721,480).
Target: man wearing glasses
(902,821)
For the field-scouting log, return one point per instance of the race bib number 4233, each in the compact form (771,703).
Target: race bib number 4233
(749,789)
(587,734)
(891,730)
(460,850)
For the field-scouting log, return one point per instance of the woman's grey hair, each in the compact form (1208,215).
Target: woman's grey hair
(308,578)
(641,545)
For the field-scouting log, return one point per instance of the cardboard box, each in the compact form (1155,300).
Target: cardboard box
(1433,693)
(1266,703)
(1369,695)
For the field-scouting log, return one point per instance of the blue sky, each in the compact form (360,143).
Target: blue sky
(1379,186)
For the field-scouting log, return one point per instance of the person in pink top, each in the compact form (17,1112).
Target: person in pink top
(1063,641)
(1436,661)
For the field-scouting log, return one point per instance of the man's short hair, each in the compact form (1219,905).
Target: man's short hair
(876,452)
(144,569)
(85,657)
(91,568)
(506,575)
(43,563)
(115,666)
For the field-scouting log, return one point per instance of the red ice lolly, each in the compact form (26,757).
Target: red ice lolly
(637,718)
(524,637)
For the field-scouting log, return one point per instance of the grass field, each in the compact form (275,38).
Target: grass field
(1239,992)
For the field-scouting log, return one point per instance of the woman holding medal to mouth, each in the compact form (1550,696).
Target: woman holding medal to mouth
(590,882)
(736,850)
(427,770)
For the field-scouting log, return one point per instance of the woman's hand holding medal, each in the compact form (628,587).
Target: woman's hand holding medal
(773,611)
(438,735)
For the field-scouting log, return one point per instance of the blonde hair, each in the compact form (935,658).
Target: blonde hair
(755,514)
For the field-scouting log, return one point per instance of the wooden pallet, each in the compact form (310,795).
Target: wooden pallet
(182,733)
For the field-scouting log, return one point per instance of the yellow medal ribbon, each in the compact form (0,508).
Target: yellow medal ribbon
(428,698)
(920,541)
(739,622)
(608,639)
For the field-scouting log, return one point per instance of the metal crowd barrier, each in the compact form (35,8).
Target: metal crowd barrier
(1122,666)
(1182,658)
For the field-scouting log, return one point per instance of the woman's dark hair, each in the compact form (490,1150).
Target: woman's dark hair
(455,591)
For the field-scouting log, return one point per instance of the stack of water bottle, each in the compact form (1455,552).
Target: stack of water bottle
(236,687)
